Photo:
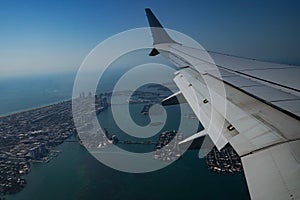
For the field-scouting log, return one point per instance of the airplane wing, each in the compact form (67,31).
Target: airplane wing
(254,106)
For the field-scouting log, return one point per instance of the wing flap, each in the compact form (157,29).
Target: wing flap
(274,173)
(262,104)
(202,110)
(258,124)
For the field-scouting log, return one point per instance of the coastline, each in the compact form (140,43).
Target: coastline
(33,108)
(50,126)
(91,179)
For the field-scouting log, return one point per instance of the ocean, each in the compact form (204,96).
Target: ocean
(17,94)
(76,174)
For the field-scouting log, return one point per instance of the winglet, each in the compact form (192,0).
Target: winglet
(159,34)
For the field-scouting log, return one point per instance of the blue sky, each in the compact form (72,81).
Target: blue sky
(54,36)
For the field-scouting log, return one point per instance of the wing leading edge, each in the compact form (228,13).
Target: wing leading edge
(262,104)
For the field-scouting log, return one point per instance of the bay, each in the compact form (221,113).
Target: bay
(76,174)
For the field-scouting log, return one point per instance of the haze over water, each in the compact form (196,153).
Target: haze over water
(22,93)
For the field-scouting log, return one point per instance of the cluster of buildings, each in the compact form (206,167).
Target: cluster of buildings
(10,174)
(148,97)
(167,147)
(84,108)
(224,161)
(30,136)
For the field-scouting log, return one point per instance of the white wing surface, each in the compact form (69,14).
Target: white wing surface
(261,115)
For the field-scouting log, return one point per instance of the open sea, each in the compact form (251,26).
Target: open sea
(76,174)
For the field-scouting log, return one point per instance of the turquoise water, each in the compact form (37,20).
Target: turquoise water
(75,174)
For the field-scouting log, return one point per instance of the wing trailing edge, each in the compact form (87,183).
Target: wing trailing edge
(262,111)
